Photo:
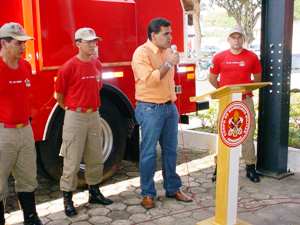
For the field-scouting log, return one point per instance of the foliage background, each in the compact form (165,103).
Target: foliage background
(208,119)
(297,10)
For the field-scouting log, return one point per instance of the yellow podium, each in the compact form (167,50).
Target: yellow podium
(233,124)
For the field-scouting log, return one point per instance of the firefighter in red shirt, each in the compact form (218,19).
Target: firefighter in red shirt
(77,91)
(236,66)
(17,149)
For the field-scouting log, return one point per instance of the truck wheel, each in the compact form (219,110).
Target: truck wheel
(115,129)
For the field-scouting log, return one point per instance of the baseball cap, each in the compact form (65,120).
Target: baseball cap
(86,34)
(236,29)
(15,31)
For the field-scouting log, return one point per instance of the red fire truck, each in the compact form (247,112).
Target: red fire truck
(122,25)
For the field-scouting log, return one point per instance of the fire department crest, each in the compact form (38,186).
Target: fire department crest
(242,63)
(27,83)
(234,124)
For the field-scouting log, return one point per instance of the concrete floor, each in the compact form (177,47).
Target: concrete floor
(270,202)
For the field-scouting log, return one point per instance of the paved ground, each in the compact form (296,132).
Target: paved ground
(271,202)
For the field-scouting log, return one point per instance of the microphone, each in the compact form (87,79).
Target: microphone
(174,48)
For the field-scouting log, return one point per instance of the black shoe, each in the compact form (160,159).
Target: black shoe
(252,174)
(214,176)
(32,219)
(96,197)
(68,204)
(27,202)
(2,219)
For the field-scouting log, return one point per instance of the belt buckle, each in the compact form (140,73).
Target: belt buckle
(20,125)
(78,109)
(89,110)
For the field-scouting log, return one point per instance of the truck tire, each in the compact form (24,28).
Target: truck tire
(115,130)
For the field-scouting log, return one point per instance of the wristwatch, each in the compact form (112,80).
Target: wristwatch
(168,64)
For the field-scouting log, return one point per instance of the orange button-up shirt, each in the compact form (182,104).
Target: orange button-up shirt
(146,61)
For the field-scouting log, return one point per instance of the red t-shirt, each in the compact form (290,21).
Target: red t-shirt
(235,69)
(80,82)
(14,93)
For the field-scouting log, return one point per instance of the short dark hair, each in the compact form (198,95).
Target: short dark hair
(155,24)
(7,39)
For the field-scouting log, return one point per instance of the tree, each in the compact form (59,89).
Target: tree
(297,10)
(188,5)
(193,6)
(245,12)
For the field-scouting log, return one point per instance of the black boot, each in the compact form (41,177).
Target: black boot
(214,176)
(95,196)
(27,202)
(68,204)
(252,174)
(2,219)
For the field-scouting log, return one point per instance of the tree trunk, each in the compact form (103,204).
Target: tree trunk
(194,6)
(187,5)
(196,20)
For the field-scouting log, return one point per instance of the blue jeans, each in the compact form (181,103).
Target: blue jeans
(158,123)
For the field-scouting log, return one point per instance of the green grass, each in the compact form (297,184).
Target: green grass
(294,125)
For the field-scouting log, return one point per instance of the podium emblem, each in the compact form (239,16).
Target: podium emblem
(235,124)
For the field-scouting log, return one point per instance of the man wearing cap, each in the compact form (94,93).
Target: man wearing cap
(153,68)
(77,91)
(236,66)
(17,149)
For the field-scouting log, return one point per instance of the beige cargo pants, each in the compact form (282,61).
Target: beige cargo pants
(17,156)
(82,140)
(248,150)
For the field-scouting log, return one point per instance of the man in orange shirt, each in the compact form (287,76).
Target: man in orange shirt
(153,67)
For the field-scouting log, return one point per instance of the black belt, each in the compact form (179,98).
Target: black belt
(165,103)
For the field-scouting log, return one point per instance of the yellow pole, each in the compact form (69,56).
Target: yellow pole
(222,172)
(227,176)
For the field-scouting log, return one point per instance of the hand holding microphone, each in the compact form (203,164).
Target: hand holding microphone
(173,56)
(172,59)
(174,48)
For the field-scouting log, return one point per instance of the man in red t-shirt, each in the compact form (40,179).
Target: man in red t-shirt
(17,149)
(77,91)
(236,66)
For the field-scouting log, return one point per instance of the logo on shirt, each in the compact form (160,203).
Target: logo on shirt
(27,83)
(88,77)
(16,82)
(97,77)
(240,63)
